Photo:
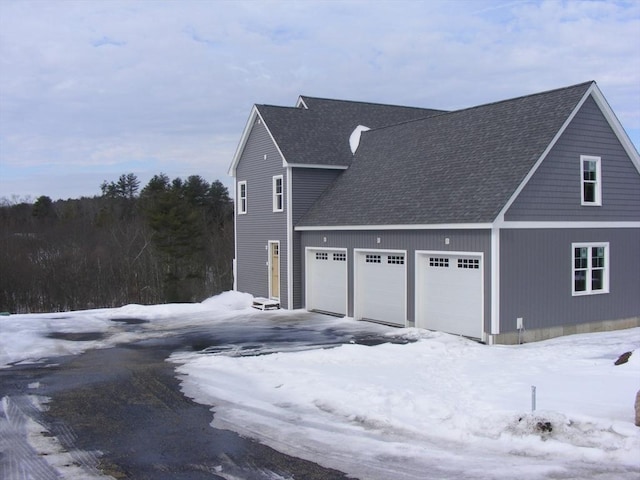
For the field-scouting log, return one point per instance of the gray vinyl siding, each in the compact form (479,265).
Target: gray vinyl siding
(409,240)
(260,224)
(536,278)
(553,193)
(307,185)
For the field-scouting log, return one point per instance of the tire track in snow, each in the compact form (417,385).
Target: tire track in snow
(29,450)
(19,459)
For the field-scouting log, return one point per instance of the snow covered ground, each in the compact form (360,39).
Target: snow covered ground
(30,338)
(438,407)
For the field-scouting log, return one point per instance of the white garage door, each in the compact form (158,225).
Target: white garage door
(449,293)
(326,281)
(380,287)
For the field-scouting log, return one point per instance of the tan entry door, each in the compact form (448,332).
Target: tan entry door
(274,270)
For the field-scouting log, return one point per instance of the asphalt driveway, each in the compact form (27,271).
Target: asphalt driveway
(118,412)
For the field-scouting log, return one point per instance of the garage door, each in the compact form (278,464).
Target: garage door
(380,287)
(326,281)
(449,293)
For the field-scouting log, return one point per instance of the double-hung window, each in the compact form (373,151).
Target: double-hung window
(590,268)
(278,196)
(242,197)
(591,180)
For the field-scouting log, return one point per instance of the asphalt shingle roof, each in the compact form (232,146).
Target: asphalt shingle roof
(456,167)
(319,134)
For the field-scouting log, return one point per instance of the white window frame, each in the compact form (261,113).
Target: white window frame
(597,183)
(589,268)
(278,197)
(242,199)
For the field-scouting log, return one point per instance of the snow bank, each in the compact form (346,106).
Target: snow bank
(424,401)
(32,337)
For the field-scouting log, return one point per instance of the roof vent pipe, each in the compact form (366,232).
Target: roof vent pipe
(354,139)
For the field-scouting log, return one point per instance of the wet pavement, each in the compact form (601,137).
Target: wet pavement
(120,412)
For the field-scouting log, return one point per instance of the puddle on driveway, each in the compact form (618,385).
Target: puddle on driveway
(77,336)
(130,321)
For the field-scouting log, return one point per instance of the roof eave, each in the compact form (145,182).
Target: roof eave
(243,140)
(615,125)
(412,226)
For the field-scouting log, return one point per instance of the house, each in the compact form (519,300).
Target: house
(513,221)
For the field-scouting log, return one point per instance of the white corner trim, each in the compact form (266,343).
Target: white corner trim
(235,237)
(290,259)
(495,281)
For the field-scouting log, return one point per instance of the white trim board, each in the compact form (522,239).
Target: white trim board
(564,224)
(315,165)
(441,226)
(477,226)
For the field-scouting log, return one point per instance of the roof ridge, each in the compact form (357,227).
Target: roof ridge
(483,105)
(520,97)
(378,104)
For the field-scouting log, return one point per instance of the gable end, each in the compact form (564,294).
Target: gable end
(554,190)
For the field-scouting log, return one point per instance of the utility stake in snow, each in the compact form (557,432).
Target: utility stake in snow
(533,398)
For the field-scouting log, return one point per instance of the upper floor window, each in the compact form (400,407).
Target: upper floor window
(278,197)
(590,268)
(591,180)
(242,197)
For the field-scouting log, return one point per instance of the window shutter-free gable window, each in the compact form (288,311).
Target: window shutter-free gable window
(590,181)
(242,197)
(278,195)
(590,268)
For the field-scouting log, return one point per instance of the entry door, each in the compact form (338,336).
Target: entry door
(274,270)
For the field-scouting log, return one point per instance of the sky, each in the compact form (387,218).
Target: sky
(91,90)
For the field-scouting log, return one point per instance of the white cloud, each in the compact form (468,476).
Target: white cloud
(97,83)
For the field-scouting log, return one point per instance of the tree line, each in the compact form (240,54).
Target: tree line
(171,241)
